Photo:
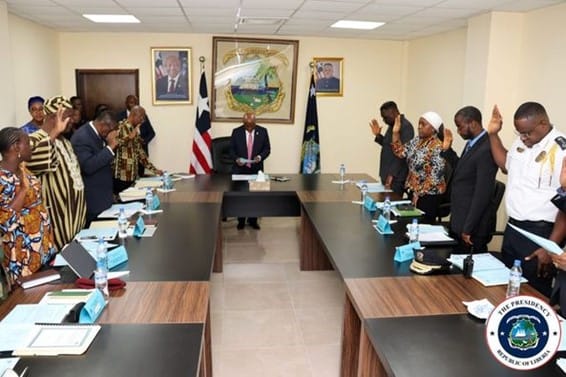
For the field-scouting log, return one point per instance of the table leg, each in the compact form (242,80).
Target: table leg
(218,263)
(350,341)
(312,254)
(369,364)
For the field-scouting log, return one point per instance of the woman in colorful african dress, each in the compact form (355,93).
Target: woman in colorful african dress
(25,227)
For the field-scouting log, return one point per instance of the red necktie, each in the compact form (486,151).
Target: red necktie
(250,147)
(171,86)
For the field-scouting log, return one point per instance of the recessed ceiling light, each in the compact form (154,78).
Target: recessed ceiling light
(112,18)
(363,25)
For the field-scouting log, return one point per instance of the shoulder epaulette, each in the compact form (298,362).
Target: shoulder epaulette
(561,141)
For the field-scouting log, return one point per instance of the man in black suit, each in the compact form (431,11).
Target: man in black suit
(94,145)
(174,85)
(473,182)
(249,147)
(147,133)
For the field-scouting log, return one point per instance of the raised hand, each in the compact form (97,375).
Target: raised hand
(448,138)
(375,127)
(496,121)
(397,124)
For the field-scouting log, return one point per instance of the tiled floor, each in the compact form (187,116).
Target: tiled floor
(268,317)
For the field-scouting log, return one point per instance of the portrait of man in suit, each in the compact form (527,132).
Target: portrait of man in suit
(328,77)
(172,75)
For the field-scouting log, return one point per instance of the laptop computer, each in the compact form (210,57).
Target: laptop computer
(79,259)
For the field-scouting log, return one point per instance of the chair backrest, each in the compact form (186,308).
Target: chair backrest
(221,157)
(498,191)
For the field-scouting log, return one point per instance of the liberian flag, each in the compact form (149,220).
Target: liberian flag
(201,158)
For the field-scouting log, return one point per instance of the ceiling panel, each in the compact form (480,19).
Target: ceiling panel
(405,18)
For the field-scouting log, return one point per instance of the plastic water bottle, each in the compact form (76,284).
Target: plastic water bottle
(514,285)
(122,224)
(364,191)
(342,172)
(149,199)
(386,210)
(414,231)
(167,183)
(101,272)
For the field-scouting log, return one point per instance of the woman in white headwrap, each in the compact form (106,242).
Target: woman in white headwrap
(425,181)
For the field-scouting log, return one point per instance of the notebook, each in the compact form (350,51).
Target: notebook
(38,278)
(79,259)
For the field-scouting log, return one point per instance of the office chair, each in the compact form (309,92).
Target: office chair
(221,158)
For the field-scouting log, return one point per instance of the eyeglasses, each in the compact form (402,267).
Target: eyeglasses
(528,133)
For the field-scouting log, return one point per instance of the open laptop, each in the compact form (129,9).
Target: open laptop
(79,259)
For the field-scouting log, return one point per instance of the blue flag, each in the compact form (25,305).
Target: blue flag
(310,152)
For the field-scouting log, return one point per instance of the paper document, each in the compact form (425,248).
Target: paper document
(541,241)
(31,313)
(146,184)
(488,270)
(65,297)
(52,340)
(129,210)
(373,186)
(106,234)
(244,177)
(132,193)
(13,336)
(177,176)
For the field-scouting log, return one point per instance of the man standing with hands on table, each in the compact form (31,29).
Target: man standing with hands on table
(249,147)
(533,167)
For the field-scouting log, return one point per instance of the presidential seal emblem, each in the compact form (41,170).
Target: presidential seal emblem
(523,333)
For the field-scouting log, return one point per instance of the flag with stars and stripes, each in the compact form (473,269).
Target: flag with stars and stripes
(201,158)
(310,152)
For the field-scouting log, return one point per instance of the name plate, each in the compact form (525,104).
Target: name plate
(369,204)
(139,228)
(92,308)
(406,252)
(117,256)
(156,203)
(383,225)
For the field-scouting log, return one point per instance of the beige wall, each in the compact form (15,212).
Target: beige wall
(372,73)
(34,51)
(7,113)
(435,80)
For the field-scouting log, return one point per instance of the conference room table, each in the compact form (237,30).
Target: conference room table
(168,285)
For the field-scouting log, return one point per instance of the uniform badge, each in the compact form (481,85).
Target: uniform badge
(541,156)
(561,141)
(520,150)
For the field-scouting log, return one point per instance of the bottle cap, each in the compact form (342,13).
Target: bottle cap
(517,262)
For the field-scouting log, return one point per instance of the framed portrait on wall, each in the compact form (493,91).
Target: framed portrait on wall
(254,75)
(328,76)
(171,75)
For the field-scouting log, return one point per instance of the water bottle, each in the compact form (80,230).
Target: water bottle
(364,192)
(167,183)
(149,199)
(514,285)
(342,172)
(386,210)
(101,272)
(414,231)
(122,224)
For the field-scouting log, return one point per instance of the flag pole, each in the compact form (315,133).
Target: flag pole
(201,59)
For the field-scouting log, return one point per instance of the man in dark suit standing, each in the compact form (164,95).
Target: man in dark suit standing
(249,148)
(174,85)
(94,145)
(473,182)
(147,133)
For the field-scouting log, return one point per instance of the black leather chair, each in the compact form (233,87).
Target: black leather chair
(221,158)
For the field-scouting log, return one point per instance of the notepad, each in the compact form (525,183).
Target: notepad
(53,340)
(38,278)
(488,270)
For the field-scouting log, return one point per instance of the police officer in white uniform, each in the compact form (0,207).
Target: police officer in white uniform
(533,164)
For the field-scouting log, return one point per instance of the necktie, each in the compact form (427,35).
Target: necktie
(250,147)
(467,148)
(171,86)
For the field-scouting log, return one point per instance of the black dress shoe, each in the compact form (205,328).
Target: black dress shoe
(240,226)
(255,226)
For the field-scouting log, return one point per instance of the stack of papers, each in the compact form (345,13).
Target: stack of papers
(129,210)
(488,270)
(373,186)
(244,177)
(432,234)
(152,182)
(414,212)
(179,176)
(132,193)
(93,234)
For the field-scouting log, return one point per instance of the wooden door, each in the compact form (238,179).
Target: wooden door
(108,86)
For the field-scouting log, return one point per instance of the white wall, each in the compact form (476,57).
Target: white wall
(34,51)
(372,73)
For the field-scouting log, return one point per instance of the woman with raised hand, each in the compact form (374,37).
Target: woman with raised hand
(25,227)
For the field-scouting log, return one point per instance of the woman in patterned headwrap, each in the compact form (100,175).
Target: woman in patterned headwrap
(424,155)
(54,162)
(27,238)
